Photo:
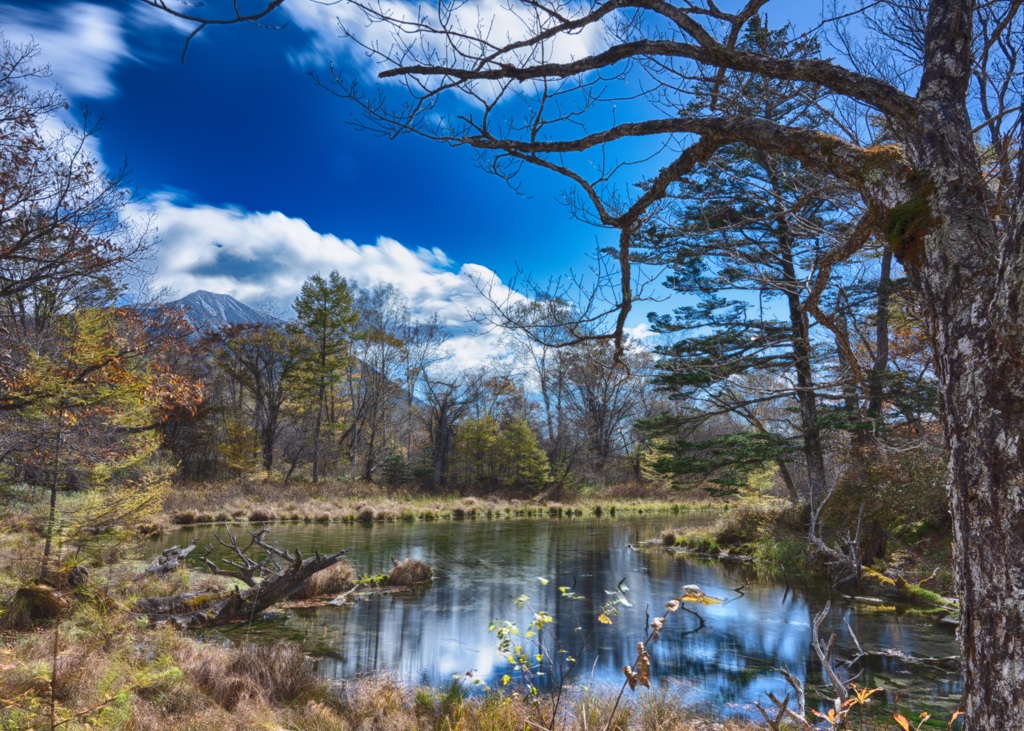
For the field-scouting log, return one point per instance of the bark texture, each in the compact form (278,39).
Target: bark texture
(970,276)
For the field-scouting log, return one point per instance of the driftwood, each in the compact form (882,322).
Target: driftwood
(206,609)
(169,559)
(951,662)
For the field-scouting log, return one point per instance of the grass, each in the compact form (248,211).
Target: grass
(745,531)
(410,572)
(269,502)
(330,582)
(112,671)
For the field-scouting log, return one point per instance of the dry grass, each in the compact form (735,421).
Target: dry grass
(330,582)
(410,572)
(265,501)
(269,674)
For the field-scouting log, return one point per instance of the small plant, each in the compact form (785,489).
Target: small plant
(532,656)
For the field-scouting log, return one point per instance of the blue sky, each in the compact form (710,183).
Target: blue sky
(257,179)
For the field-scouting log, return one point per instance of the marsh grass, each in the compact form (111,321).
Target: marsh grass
(330,582)
(410,572)
(766,532)
(267,502)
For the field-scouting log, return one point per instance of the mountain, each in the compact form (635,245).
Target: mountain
(211,311)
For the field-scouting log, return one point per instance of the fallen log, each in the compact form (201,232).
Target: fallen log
(206,609)
(169,559)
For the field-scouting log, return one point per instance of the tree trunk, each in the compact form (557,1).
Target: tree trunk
(316,439)
(876,387)
(213,608)
(51,522)
(976,331)
(805,389)
(971,277)
(170,559)
(983,411)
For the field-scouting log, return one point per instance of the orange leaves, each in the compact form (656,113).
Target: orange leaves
(860,695)
(904,723)
(833,717)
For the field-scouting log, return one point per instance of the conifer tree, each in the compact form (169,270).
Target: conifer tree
(325,317)
(747,227)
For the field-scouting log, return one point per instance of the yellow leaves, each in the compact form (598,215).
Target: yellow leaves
(902,721)
(506,679)
(543,581)
(692,593)
(604,618)
(860,695)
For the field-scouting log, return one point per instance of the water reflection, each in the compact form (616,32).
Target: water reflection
(481,566)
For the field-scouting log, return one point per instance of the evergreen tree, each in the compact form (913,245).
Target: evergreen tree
(325,318)
(747,229)
(522,462)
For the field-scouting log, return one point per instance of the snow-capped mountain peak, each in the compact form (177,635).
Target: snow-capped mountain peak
(211,311)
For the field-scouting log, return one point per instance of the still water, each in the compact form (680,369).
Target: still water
(481,566)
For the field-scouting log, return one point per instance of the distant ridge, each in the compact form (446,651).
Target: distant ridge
(211,311)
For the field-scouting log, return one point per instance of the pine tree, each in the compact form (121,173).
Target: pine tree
(747,227)
(325,317)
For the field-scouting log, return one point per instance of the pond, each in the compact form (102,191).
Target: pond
(482,566)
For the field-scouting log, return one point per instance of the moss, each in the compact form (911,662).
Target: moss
(909,223)
(917,594)
(374,580)
(870,577)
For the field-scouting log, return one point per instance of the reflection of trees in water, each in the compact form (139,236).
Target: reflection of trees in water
(482,566)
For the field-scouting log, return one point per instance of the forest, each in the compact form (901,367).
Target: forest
(835,380)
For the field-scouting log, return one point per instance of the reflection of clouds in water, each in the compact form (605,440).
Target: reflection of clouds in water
(482,566)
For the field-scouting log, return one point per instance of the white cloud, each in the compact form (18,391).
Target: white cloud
(258,256)
(495,22)
(641,331)
(82,43)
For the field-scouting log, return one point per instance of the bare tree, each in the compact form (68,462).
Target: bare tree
(267,581)
(260,361)
(449,397)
